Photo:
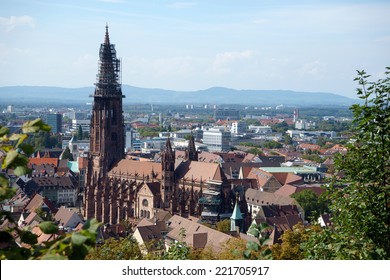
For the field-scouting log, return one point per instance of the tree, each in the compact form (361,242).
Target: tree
(280,127)
(178,250)
(67,154)
(224,225)
(233,249)
(14,153)
(258,250)
(113,249)
(79,134)
(255,151)
(361,210)
(272,145)
(311,204)
(290,248)
(287,139)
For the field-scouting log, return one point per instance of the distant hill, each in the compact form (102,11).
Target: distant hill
(215,95)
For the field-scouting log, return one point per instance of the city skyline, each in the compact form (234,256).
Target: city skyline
(197,45)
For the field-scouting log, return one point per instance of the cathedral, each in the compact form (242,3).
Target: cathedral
(118,189)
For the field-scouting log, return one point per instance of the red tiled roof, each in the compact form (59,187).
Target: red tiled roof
(40,161)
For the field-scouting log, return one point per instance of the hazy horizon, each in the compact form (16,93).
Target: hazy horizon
(196,45)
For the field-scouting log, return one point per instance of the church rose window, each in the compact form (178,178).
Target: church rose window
(145,202)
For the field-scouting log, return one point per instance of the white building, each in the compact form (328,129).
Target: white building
(85,125)
(238,127)
(303,124)
(260,129)
(217,139)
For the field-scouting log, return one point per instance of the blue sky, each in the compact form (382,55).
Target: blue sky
(191,45)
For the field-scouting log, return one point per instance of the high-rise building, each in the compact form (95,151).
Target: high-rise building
(107,138)
(55,121)
(226,114)
(239,127)
(217,140)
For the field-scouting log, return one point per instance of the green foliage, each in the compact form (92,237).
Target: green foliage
(149,131)
(290,248)
(179,250)
(113,249)
(313,157)
(311,204)
(255,151)
(79,133)
(361,210)
(258,250)
(15,152)
(252,122)
(67,154)
(71,246)
(287,139)
(280,127)
(272,145)
(332,125)
(224,225)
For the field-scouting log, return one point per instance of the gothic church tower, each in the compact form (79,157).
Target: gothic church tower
(168,173)
(107,140)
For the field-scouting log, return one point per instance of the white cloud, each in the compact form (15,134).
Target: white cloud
(224,62)
(314,70)
(14,21)
(183,5)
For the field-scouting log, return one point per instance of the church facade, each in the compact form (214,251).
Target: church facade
(118,189)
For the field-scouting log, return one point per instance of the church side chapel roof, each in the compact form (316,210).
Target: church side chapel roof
(199,171)
(135,168)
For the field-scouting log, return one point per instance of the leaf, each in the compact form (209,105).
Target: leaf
(21,140)
(54,257)
(35,126)
(29,238)
(247,254)
(78,239)
(15,137)
(27,148)
(3,181)
(21,170)
(91,225)
(253,246)
(5,237)
(4,130)
(48,227)
(10,158)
